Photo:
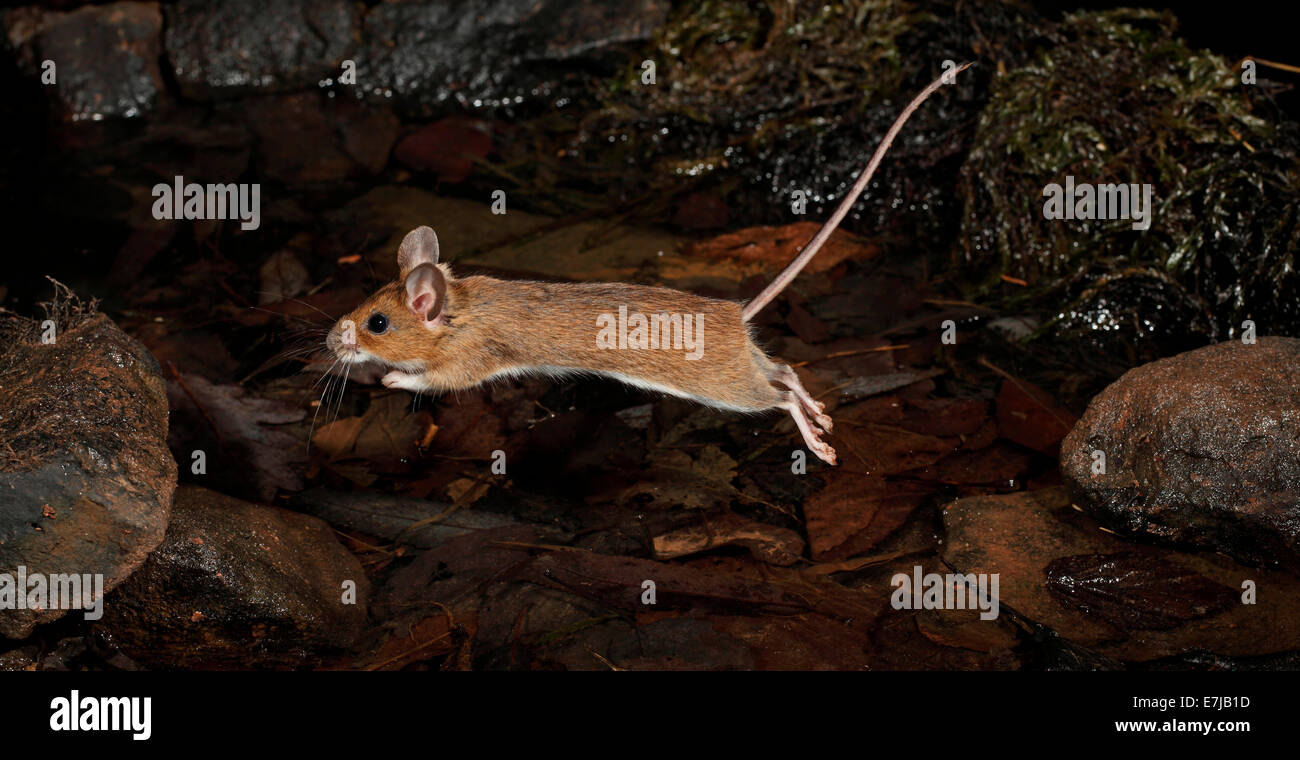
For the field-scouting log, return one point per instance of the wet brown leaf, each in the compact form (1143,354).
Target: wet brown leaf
(282,276)
(1030,416)
(447,147)
(1135,590)
(240,433)
(387,432)
(768,543)
(855,512)
(777,246)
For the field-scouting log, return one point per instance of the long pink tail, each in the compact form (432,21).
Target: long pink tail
(790,272)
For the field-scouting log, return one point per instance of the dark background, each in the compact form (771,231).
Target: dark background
(36,237)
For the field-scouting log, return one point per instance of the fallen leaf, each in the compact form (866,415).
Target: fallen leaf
(428,638)
(1136,591)
(1029,416)
(447,147)
(855,512)
(386,432)
(281,277)
(777,246)
(863,387)
(768,543)
(239,434)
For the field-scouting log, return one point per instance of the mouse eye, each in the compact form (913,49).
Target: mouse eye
(377,324)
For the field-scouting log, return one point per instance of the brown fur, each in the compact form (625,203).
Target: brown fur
(446,334)
(493,327)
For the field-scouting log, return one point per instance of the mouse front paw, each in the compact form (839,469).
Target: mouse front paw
(402,381)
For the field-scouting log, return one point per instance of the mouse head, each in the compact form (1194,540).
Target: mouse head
(395,324)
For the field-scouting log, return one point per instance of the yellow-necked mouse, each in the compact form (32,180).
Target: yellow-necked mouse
(438,332)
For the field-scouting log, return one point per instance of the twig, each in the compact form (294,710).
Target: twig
(1270,64)
(1016,381)
(855,352)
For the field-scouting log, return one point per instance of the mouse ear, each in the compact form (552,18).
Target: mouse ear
(420,246)
(426,291)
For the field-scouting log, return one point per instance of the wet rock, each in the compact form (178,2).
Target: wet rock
(1132,590)
(448,147)
(1118,607)
(23,658)
(234,47)
(306,137)
(1215,253)
(86,479)
(241,584)
(1200,449)
(105,57)
(428,55)
(78,653)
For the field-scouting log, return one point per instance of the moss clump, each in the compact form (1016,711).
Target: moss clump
(1117,98)
(720,62)
(736,81)
(65,309)
(754,100)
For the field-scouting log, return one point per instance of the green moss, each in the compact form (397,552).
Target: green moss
(721,61)
(1117,98)
(737,82)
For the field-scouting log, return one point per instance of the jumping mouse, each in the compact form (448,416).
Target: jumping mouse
(437,332)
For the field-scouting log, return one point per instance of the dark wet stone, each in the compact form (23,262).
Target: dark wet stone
(86,479)
(1132,590)
(1201,449)
(233,47)
(497,53)
(238,584)
(78,653)
(448,147)
(105,56)
(1102,595)
(23,658)
(306,137)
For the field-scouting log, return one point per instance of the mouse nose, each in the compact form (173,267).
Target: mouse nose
(334,342)
(348,334)
(343,338)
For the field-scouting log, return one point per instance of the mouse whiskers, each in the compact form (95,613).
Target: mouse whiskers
(327,376)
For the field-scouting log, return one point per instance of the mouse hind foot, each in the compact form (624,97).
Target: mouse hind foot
(812,437)
(785,375)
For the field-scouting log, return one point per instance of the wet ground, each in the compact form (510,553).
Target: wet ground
(516,525)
